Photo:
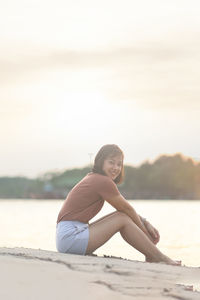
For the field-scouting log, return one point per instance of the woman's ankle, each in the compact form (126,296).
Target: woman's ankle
(161,259)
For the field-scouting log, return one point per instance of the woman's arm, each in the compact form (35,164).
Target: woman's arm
(154,233)
(121,204)
(143,220)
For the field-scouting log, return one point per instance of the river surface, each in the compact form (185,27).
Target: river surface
(32,223)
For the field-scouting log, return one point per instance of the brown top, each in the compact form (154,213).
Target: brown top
(86,198)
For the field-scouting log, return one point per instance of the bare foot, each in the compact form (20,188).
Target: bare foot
(163,259)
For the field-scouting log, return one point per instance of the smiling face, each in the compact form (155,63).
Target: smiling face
(112,166)
(109,162)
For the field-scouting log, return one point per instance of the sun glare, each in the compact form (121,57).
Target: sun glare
(83,109)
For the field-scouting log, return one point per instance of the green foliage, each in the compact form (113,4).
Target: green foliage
(168,177)
(19,187)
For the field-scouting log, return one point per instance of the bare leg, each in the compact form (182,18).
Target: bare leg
(97,221)
(102,230)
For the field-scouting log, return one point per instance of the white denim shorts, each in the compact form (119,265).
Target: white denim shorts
(72,237)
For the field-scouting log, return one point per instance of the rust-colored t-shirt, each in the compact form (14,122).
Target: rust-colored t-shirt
(86,198)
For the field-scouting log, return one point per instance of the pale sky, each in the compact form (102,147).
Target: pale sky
(75,75)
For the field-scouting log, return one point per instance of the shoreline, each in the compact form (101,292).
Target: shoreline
(40,274)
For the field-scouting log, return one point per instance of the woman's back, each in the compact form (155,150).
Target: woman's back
(86,199)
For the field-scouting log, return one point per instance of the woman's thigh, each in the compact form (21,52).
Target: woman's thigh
(103,229)
(106,216)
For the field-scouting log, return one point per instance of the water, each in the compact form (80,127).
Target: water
(32,223)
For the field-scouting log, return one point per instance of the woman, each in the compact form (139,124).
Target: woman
(74,233)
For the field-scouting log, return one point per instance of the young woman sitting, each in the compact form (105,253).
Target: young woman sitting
(74,233)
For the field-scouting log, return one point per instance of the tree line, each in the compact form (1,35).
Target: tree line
(168,177)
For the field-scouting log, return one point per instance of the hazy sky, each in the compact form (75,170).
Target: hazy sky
(75,75)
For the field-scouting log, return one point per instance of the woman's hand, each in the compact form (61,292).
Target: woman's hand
(153,232)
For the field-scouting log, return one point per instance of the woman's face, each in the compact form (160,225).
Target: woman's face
(112,166)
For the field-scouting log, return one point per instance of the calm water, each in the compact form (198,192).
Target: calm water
(32,223)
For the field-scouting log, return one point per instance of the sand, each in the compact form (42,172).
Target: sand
(33,274)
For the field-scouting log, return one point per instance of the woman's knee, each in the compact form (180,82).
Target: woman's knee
(124,217)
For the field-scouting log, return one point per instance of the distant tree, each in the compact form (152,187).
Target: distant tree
(168,177)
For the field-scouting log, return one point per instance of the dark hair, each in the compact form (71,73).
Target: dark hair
(106,151)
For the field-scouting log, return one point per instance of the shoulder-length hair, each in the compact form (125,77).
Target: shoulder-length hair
(105,152)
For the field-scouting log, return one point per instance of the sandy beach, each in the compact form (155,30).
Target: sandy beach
(40,274)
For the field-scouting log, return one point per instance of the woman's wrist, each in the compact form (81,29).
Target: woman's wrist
(143,220)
